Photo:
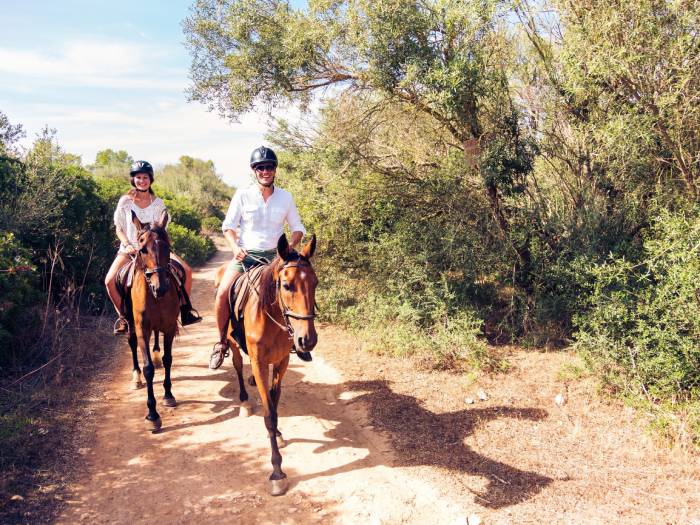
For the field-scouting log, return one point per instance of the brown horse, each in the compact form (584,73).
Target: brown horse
(153,305)
(280,306)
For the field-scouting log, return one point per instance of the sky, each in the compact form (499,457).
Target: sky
(113,74)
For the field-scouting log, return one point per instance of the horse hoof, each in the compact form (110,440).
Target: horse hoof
(278,486)
(136,380)
(246,409)
(169,401)
(157,361)
(154,425)
(281,443)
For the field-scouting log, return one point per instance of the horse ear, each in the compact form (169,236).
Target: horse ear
(309,248)
(164,218)
(282,247)
(136,221)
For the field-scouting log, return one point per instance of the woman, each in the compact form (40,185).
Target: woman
(148,208)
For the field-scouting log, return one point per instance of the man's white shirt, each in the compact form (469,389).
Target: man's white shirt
(261,223)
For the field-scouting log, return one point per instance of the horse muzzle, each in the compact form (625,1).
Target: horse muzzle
(305,342)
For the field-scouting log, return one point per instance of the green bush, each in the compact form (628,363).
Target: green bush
(182,213)
(642,333)
(211,225)
(191,246)
(19,289)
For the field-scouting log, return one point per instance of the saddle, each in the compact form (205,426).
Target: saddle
(125,276)
(242,287)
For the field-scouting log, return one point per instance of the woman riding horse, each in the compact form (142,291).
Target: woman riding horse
(141,201)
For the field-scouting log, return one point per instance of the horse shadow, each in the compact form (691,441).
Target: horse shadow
(420,437)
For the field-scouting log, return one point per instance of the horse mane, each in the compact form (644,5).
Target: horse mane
(268,284)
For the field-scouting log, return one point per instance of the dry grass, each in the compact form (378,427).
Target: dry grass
(518,455)
(42,409)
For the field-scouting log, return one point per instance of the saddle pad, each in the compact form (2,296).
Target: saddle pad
(125,276)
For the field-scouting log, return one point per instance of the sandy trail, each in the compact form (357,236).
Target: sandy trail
(208,465)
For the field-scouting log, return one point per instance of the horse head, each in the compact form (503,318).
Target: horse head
(296,291)
(154,251)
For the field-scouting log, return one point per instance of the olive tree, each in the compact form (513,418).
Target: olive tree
(448,59)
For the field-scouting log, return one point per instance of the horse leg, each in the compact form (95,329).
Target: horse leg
(246,407)
(136,371)
(278,479)
(153,421)
(157,362)
(168,398)
(278,372)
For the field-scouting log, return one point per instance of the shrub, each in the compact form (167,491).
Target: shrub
(182,213)
(19,289)
(642,333)
(211,225)
(192,247)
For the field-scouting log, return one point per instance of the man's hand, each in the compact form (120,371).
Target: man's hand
(130,249)
(239,253)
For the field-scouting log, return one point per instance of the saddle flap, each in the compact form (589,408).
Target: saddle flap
(241,289)
(125,277)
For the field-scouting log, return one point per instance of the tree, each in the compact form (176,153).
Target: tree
(109,157)
(448,59)
(9,135)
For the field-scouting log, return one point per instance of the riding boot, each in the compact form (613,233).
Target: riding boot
(188,315)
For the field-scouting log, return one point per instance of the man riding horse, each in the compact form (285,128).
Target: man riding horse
(254,223)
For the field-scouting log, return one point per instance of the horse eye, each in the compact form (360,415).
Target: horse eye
(286,286)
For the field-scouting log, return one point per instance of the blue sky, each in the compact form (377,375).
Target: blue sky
(112,74)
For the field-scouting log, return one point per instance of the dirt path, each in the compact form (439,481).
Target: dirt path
(375,440)
(208,465)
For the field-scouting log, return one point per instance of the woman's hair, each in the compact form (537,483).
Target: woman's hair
(133,191)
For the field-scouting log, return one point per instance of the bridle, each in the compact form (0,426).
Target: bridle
(286,312)
(148,272)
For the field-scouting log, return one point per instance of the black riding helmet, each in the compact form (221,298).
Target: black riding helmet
(141,166)
(261,155)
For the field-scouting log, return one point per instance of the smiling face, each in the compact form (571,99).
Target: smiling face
(142,181)
(265,174)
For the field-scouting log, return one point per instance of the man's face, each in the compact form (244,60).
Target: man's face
(265,173)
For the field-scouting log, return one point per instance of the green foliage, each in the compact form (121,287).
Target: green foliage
(182,213)
(191,246)
(107,157)
(211,225)
(196,183)
(19,291)
(642,333)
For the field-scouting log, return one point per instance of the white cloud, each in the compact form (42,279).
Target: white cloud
(87,62)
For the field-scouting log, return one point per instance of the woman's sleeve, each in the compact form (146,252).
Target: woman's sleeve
(120,213)
(160,209)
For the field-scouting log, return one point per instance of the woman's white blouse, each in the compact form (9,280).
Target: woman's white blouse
(122,217)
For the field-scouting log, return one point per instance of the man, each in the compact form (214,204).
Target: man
(259,213)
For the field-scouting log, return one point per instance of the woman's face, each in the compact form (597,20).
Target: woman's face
(142,181)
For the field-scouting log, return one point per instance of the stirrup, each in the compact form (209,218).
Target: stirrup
(121,325)
(218,354)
